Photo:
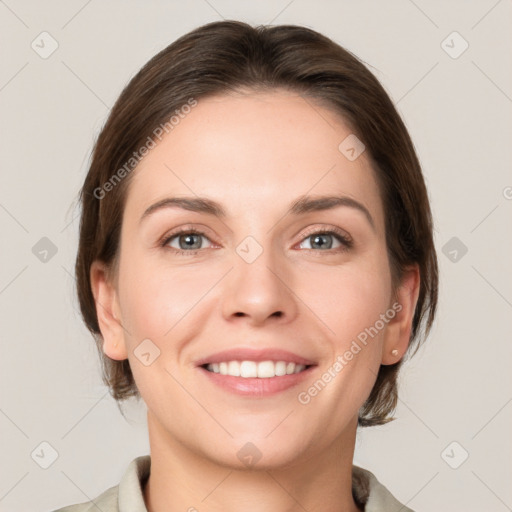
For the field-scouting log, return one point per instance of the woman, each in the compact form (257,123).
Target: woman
(255,260)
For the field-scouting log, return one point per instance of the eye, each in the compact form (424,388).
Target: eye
(327,240)
(189,241)
(185,241)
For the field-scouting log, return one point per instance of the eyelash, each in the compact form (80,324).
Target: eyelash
(342,237)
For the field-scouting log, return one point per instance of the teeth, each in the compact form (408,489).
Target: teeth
(266,369)
(247,368)
(280,368)
(252,369)
(234,369)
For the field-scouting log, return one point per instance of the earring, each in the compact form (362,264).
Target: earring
(394,352)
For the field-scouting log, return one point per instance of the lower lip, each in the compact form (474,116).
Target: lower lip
(257,387)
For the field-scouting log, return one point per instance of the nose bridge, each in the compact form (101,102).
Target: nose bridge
(257,287)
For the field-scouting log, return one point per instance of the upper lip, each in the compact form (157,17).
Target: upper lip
(247,354)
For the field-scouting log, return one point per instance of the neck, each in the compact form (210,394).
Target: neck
(183,480)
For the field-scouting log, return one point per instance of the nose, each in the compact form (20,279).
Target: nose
(259,292)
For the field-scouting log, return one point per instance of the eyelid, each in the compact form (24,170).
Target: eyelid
(344,235)
(188,228)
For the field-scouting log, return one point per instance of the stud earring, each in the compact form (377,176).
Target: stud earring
(394,352)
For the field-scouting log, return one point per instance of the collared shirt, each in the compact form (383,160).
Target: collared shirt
(128,496)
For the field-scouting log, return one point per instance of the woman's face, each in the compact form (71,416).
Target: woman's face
(255,284)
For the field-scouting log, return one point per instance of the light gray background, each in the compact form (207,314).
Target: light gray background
(458,110)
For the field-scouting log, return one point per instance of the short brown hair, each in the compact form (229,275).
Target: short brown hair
(231,56)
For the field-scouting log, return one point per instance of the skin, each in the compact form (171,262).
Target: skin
(254,153)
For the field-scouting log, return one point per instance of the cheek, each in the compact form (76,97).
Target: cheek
(162,303)
(143,301)
(350,305)
(347,299)
(158,304)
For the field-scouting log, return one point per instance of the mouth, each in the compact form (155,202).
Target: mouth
(256,369)
(256,373)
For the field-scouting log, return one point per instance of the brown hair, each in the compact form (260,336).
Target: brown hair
(231,56)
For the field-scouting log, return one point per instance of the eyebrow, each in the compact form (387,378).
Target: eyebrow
(302,205)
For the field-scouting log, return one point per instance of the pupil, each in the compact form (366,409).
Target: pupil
(188,238)
(318,240)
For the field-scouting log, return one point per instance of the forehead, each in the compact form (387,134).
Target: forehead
(257,150)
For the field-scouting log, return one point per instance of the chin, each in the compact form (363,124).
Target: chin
(256,452)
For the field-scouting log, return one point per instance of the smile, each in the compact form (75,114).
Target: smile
(255,369)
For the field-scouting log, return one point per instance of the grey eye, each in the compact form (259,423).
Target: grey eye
(186,241)
(321,241)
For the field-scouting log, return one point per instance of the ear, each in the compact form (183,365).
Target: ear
(108,312)
(398,329)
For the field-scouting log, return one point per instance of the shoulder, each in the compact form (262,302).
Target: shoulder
(372,494)
(129,491)
(106,502)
